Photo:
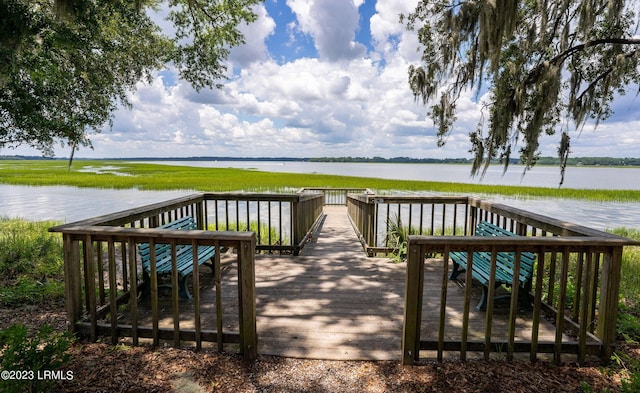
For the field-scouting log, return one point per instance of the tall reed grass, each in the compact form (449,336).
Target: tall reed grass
(167,177)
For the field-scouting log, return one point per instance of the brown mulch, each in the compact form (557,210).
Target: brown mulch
(100,367)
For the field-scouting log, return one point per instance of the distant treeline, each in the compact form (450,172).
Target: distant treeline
(393,160)
(572,161)
(577,161)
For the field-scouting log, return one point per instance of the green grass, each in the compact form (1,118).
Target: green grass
(630,279)
(169,177)
(268,235)
(31,263)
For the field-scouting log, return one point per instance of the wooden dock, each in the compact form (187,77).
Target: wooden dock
(333,302)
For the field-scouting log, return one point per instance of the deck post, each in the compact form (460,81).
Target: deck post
(472,221)
(200,216)
(609,293)
(369,223)
(247,299)
(413,305)
(72,279)
(295,226)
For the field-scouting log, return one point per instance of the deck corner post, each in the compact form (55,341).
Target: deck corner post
(473,220)
(247,299)
(413,304)
(296,223)
(609,294)
(370,224)
(72,282)
(200,216)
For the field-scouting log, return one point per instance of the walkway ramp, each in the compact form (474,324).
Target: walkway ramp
(332,301)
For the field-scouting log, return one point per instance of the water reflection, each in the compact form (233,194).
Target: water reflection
(597,215)
(69,204)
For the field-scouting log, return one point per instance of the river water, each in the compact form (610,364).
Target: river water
(68,204)
(540,176)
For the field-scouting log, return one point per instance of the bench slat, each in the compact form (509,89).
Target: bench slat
(504,262)
(184,255)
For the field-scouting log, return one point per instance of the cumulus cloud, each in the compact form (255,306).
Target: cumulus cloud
(332,24)
(254,49)
(345,101)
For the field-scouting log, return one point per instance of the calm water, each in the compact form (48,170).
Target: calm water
(70,204)
(541,176)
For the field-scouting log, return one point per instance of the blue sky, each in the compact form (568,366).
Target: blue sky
(317,78)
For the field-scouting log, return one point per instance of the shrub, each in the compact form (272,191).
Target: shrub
(25,357)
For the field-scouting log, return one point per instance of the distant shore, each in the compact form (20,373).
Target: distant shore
(552,161)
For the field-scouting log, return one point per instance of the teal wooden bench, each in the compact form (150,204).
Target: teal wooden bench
(184,258)
(481,266)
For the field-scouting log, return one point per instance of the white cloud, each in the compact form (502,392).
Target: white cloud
(342,103)
(332,24)
(255,35)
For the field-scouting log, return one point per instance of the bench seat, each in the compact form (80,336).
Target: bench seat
(481,267)
(184,257)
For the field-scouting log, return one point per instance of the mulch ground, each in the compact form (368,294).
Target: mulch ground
(100,367)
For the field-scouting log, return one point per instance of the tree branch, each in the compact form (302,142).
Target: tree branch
(600,77)
(561,57)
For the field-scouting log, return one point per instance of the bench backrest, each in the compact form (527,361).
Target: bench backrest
(164,250)
(527,259)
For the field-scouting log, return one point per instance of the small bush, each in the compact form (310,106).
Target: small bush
(30,355)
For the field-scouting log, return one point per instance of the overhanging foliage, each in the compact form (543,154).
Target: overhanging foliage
(544,62)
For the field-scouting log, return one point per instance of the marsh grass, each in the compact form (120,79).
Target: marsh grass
(173,177)
(267,234)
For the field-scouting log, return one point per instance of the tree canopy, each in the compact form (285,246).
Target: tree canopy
(66,65)
(547,66)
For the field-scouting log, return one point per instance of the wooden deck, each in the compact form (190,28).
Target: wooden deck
(333,302)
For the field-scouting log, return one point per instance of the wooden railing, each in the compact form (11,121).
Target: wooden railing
(103,281)
(334,196)
(589,268)
(280,221)
(372,216)
(575,283)
(103,271)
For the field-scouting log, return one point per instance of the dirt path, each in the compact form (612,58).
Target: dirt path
(99,367)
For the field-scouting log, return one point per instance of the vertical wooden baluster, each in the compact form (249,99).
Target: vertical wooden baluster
(584,310)
(218,281)
(578,285)
(513,310)
(490,299)
(196,293)
(155,314)
(113,291)
(537,305)
(133,298)
(174,294)
(467,300)
(564,274)
(90,288)
(443,302)
(100,268)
